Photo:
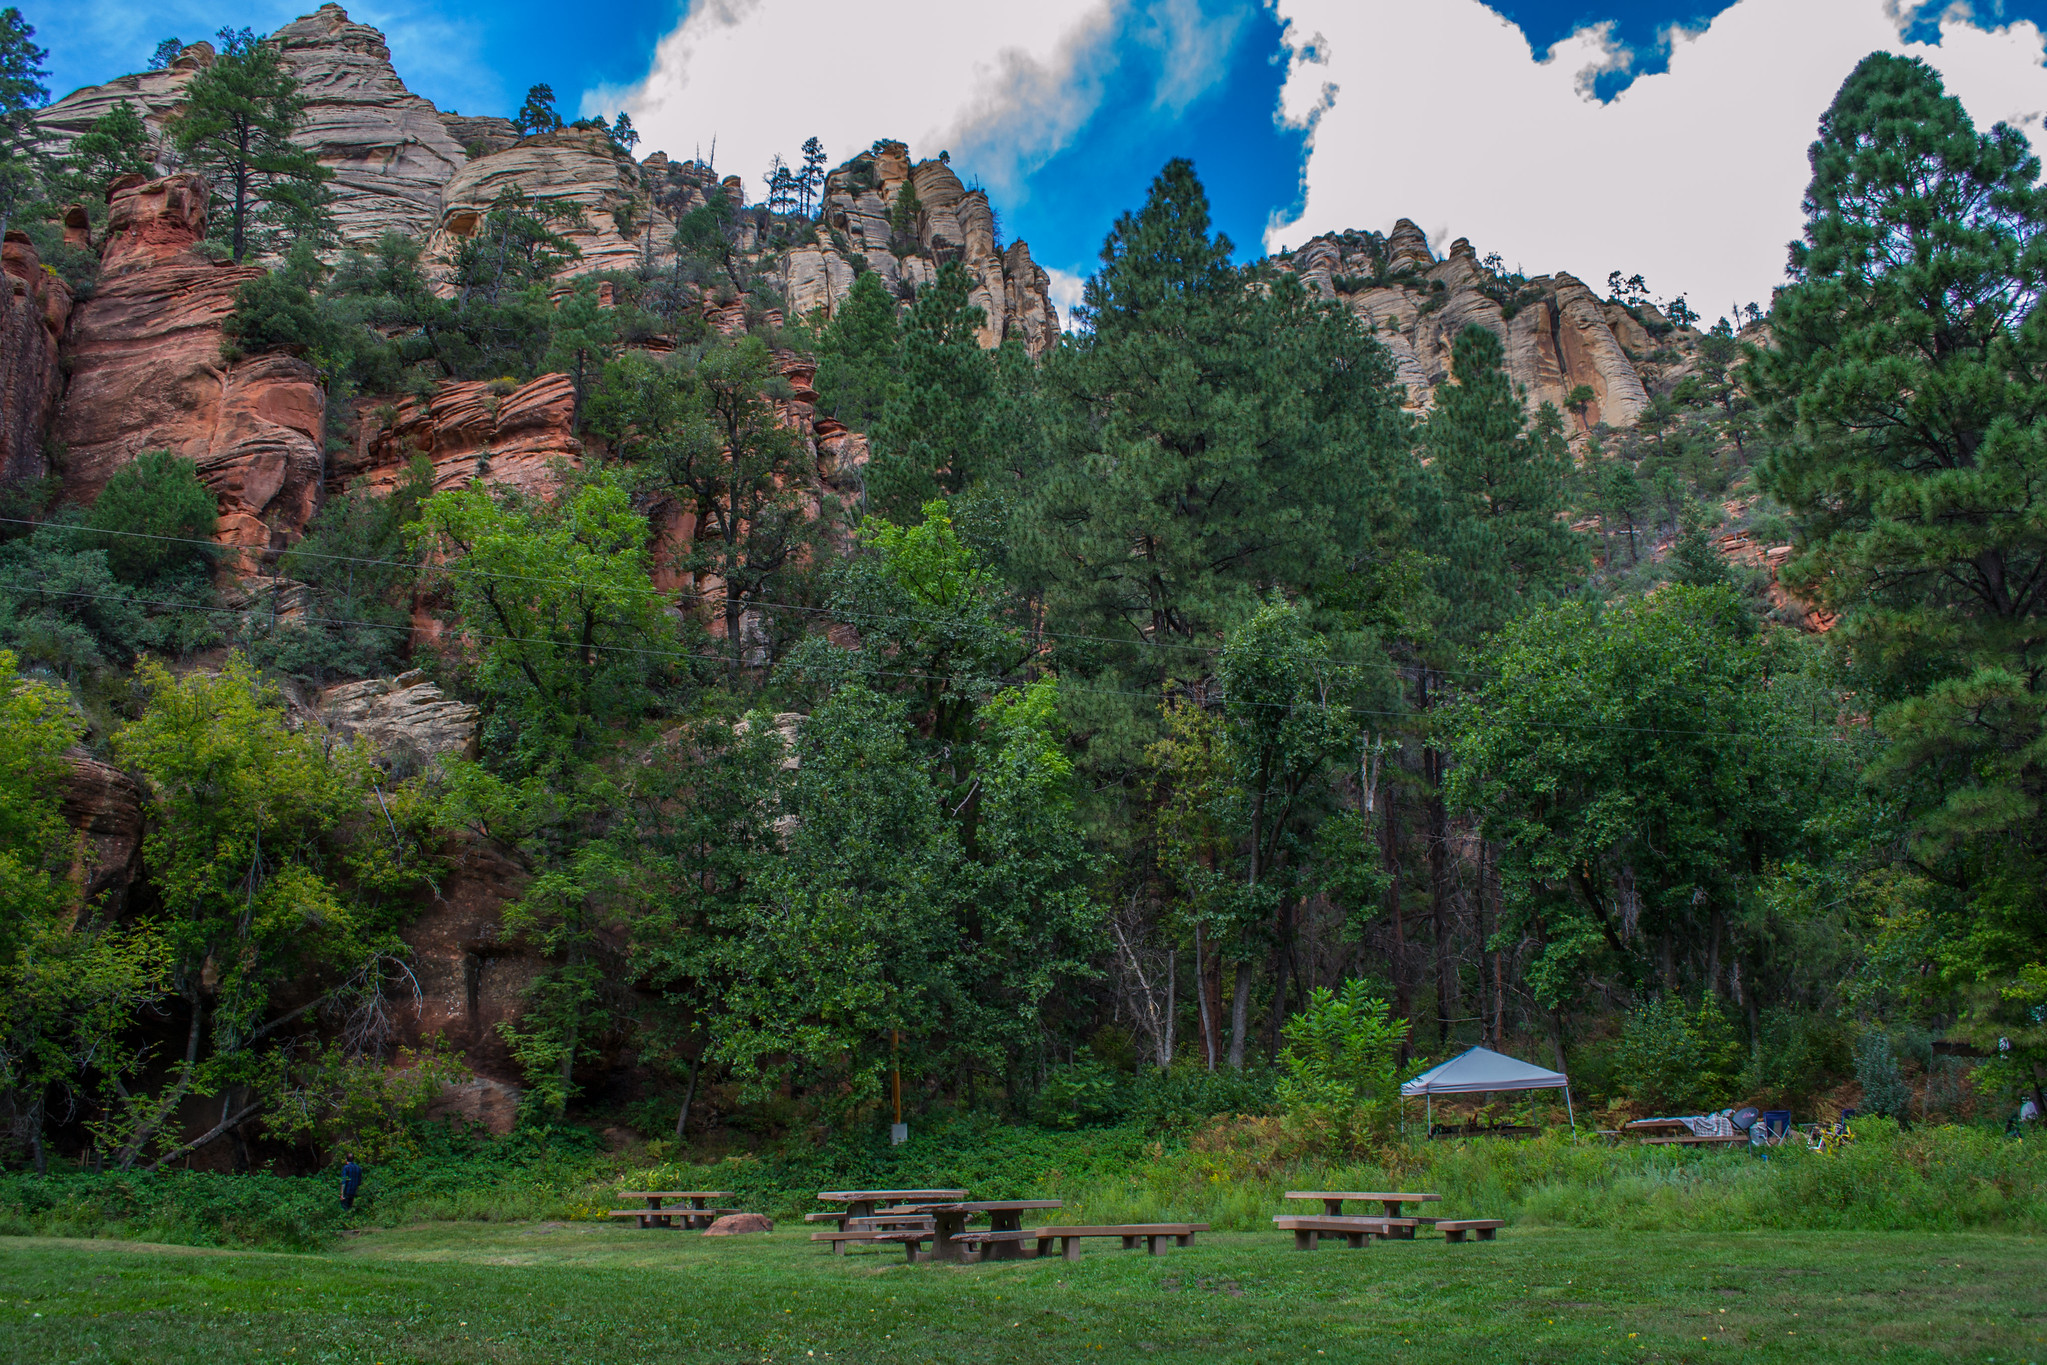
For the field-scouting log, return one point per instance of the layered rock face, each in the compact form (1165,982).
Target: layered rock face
(1557,334)
(576,167)
(147,374)
(389,149)
(953,223)
(467,430)
(33,312)
(407,718)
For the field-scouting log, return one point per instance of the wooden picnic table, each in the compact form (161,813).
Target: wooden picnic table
(862,1203)
(948,1220)
(1676,1132)
(1332,1201)
(696,1212)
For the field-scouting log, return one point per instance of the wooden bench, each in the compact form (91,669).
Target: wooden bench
(1151,1234)
(864,1236)
(1453,1229)
(1308,1229)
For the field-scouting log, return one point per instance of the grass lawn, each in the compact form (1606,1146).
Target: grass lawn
(584,1292)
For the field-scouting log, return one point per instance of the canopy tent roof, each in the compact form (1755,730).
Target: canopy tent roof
(1483,1069)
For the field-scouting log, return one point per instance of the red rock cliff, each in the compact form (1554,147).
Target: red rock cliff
(33,312)
(147,373)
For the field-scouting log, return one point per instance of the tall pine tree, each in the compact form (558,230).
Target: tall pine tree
(237,124)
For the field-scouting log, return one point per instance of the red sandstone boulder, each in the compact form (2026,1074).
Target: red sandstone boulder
(732,1224)
(104,806)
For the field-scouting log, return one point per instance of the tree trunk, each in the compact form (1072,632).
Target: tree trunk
(689,1096)
(1208,994)
(1403,1000)
(1281,959)
(1486,999)
(1440,892)
(1240,1014)
(1716,929)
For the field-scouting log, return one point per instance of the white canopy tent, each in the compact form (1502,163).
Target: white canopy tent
(1481,1069)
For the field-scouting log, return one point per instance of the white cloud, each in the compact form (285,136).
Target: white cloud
(1066,291)
(1442,113)
(760,76)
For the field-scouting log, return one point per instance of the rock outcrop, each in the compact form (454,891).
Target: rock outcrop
(33,311)
(736,1224)
(953,223)
(469,429)
(577,168)
(389,149)
(147,373)
(407,719)
(104,807)
(1558,335)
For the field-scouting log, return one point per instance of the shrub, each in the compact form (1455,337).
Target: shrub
(277,311)
(150,516)
(1341,1064)
(1078,1094)
(1884,1090)
(1674,1057)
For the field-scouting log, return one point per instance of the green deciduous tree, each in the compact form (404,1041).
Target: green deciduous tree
(154,518)
(266,896)
(568,626)
(237,124)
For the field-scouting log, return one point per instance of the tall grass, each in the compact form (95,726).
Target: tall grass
(1232,1174)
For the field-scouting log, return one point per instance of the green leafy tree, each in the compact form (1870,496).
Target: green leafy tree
(165,53)
(1905,390)
(237,124)
(116,144)
(1213,435)
(1674,1057)
(1641,768)
(1341,1065)
(250,853)
(568,625)
(22,92)
(154,519)
(810,179)
(37,848)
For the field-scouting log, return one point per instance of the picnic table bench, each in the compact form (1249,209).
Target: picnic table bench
(1153,1235)
(1678,1133)
(950,1220)
(694,1213)
(1391,1200)
(1309,1229)
(1453,1229)
(861,1203)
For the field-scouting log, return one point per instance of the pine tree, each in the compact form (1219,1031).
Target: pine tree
(1908,387)
(237,123)
(537,114)
(810,180)
(22,92)
(934,437)
(116,144)
(857,354)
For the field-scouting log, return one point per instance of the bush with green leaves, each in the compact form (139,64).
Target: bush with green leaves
(1676,1057)
(1078,1094)
(1885,1090)
(1341,1064)
(154,519)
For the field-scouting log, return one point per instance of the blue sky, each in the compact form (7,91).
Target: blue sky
(1113,89)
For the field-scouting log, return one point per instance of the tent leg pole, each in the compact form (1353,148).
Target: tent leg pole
(1568,1111)
(1431,1102)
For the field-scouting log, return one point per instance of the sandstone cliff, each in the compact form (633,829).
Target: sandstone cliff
(578,168)
(389,149)
(953,223)
(33,313)
(147,373)
(517,436)
(1557,333)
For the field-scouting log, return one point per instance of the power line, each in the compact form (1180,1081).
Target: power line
(834,613)
(685,656)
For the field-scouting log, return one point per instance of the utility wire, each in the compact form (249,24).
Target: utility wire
(686,656)
(499,575)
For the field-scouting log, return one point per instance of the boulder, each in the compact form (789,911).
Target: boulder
(480,136)
(34,308)
(147,373)
(733,1224)
(407,718)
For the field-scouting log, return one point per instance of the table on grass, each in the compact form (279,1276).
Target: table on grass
(948,1220)
(1663,1132)
(1332,1204)
(862,1203)
(695,1212)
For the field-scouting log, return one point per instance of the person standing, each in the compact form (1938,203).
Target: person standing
(351,1181)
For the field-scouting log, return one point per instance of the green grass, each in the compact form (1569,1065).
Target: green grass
(550,1292)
